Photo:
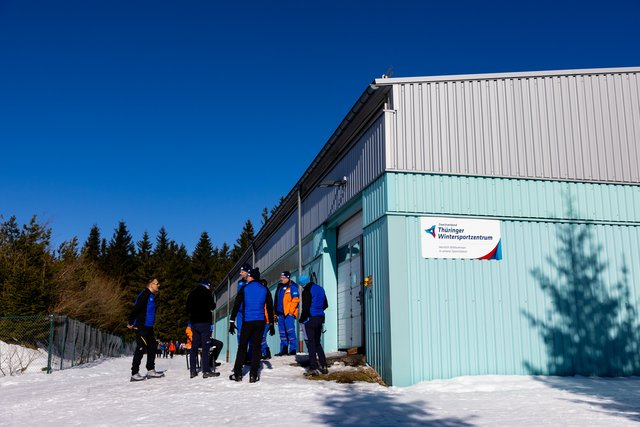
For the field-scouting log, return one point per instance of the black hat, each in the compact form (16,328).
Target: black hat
(255,273)
(245,267)
(286,274)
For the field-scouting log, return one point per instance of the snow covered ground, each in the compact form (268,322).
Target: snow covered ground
(101,394)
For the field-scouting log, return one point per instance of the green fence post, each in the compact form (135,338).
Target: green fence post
(64,341)
(50,343)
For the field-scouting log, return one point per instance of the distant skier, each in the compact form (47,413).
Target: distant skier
(141,320)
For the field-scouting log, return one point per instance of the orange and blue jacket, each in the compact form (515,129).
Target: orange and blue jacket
(189,333)
(287,300)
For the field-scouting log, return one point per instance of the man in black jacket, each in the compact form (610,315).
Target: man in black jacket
(141,320)
(199,306)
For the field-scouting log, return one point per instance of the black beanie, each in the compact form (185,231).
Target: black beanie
(255,273)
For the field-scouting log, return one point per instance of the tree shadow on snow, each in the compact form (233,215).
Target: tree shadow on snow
(591,326)
(621,395)
(350,406)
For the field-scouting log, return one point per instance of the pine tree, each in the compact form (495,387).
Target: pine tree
(277,206)
(244,241)
(68,251)
(144,264)
(27,268)
(265,216)
(91,248)
(119,259)
(202,259)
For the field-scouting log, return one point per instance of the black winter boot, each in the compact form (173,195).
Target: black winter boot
(267,354)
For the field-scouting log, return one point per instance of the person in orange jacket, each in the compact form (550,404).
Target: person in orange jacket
(189,333)
(172,348)
(286,308)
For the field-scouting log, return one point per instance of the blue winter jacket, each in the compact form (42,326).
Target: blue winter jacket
(241,284)
(144,309)
(252,299)
(314,302)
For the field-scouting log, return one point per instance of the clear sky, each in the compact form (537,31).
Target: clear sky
(195,114)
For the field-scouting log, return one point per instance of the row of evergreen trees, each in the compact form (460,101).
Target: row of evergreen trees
(97,283)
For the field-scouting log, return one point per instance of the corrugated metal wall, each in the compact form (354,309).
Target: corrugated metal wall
(565,127)
(469,317)
(285,238)
(376,299)
(513,198)
(362,164)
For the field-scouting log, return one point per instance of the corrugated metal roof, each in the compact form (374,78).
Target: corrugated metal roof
(511,75)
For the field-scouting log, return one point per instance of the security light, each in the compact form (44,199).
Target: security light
(338,183)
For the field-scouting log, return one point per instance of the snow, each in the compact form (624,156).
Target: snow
(100,394)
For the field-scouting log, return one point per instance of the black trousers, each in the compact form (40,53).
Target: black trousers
(313,328)
(250,332)
(216,348)
(145,343)
(201,338)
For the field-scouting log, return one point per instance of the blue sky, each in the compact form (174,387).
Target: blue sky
(195,115)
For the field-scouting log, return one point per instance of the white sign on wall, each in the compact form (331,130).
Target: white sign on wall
(460,238)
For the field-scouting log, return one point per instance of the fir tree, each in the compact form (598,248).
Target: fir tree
(202,259)
(26,269)
(119,259)
(277,206)
(144,264)
(244,241)
(91,248)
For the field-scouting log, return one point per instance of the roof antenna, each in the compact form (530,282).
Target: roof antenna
(388,73)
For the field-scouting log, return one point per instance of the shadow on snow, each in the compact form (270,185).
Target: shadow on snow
(351,407)
(591,328)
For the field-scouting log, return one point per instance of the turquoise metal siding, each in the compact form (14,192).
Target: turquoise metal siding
(509,198)
(376,298)
(440,318)
(374,201)
(467,317)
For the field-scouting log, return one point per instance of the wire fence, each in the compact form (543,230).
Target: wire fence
(47,343)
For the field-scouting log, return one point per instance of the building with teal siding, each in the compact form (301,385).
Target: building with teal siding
(472,225)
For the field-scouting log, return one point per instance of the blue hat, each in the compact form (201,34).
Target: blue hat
(303,280)
(245,267)
(285,274)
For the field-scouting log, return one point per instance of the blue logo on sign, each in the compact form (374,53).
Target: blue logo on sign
(431,230)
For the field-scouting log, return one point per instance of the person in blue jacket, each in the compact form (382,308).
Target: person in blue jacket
(314,303)
(265,351)
(244,271)
(256,304)
(141,320)
(286,307)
